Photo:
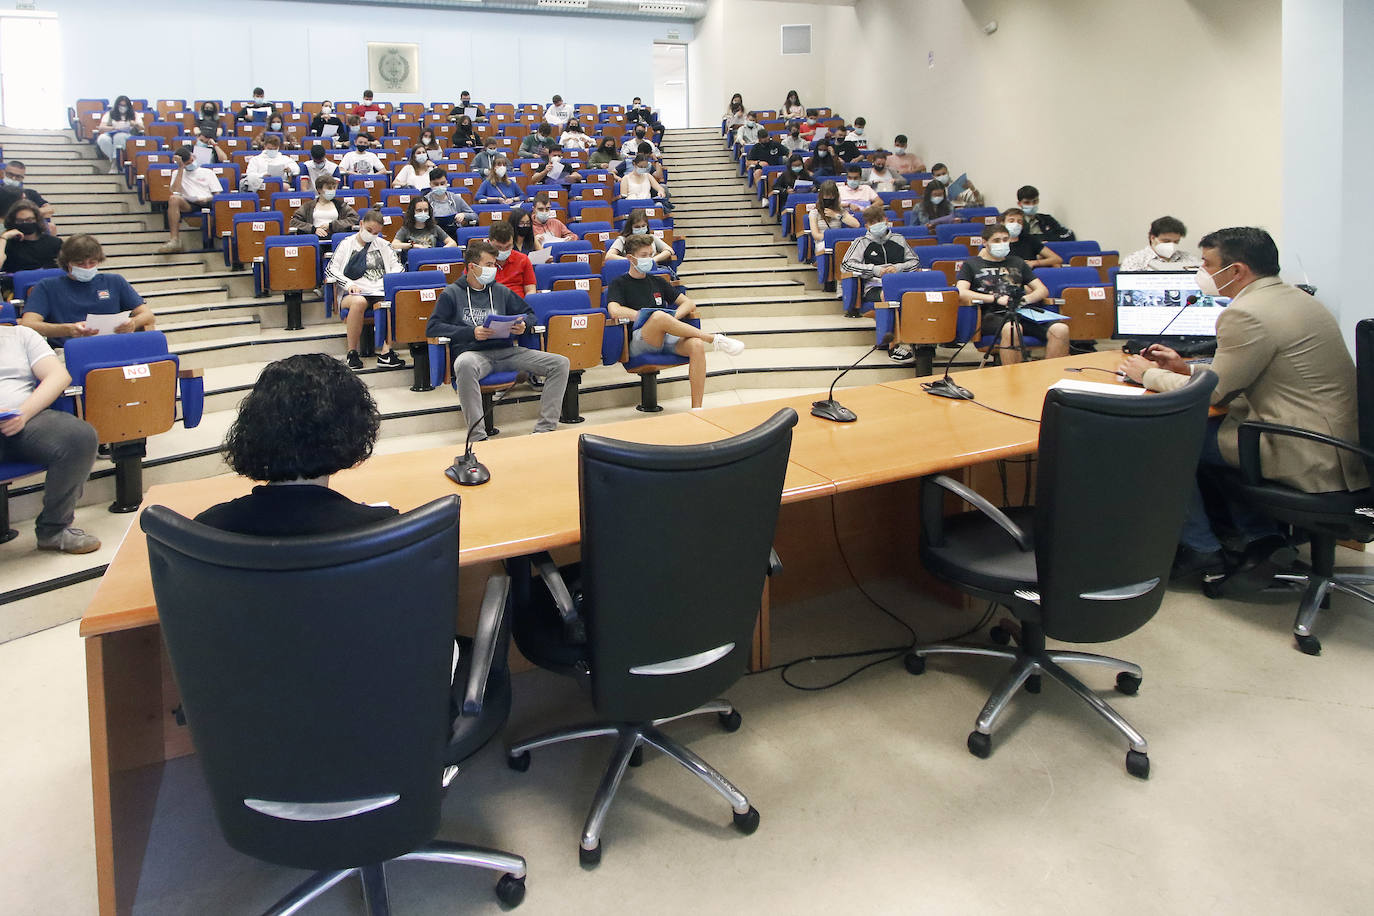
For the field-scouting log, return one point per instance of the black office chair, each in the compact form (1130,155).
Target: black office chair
(667,594)
(320,716)
(1089,562)
(1325,517)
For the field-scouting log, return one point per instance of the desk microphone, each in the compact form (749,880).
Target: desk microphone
(466,470)
(946,387)
(830,409)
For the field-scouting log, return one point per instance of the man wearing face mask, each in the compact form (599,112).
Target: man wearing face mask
(548,228)
(969,197)
(1163,252)
(358,295)
(748,132)
(854,193)
(998,282)
(513,268)
(270,163)
(540,140)
(823,164)
(768,151)
(1039,225)
(881,177)
(57,307)
(319,166)
(449,208)
(634,141)
(639,113)
(1031,250)
(659,311)
(811,129)
(328,117)
(323,214)
(193,188)
(1280,359)
(207,150)
(870,258)
(361,160)
(902,161)
(558,113)
(793,141)
(460,315)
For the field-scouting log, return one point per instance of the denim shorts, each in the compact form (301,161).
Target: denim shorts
(639,346)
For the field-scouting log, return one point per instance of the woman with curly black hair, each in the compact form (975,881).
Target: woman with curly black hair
(307,417)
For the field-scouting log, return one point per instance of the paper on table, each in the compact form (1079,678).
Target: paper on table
(500,325)
(541,256)
(1073,384)
(106,324)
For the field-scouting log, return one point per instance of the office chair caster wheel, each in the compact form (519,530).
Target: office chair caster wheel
(1138,764)
(915,664)
(510,890)
(1033,684)
(730,721)
(980,745)
(1000,635)
(519,763)
(1127,683)
(1214,588)
(1309,645)
(747,822)
(589,858)
(637,756)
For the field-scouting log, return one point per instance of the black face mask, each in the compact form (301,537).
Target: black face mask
(28,227)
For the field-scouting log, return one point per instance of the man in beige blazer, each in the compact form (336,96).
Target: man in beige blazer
(1280,359)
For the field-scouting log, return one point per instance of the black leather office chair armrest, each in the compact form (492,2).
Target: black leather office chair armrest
(1248,440)
(490,620)
(574,628)
(774,562)
(1022,539)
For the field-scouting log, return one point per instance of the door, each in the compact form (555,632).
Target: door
(670,83)
(29,45)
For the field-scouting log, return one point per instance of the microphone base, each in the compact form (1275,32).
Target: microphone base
(834,411)
(467,471)
(944,388)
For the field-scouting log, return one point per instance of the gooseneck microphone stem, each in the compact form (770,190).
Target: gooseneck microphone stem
(829,409)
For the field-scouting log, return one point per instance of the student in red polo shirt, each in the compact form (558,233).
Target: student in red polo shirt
(513,269)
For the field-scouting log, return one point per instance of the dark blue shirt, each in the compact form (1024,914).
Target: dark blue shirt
(62,300)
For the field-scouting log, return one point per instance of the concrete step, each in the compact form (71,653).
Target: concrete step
(744,272)
(265,346)
(182,293)
(795,300)
(46,171)
(108,231)
(795,330)
(169,262)
(45,152)
(708,246)
(714,221)
(200,329)
(762,255)
(80,205)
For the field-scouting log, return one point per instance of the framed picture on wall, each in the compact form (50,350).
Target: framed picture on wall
(393,67)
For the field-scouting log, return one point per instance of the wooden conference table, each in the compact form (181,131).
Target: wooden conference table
(530,504)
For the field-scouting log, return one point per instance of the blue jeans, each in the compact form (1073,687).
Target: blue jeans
(1198,532)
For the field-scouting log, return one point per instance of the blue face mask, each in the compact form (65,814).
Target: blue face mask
(192,165)
(641,170)
(84,274)
(486,276)
(640,230)
(999,249)
(644,265)
(1029,209)
(796,170)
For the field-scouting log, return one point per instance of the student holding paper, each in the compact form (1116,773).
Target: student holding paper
(1001,283)
(469,313)
(57,308)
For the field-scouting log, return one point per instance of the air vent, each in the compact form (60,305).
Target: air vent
(563,4)
(652,7)
(796,39)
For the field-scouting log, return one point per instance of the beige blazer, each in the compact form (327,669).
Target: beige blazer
(1281,359)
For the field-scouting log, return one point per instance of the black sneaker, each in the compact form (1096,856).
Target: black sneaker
(536,383)
(1189,562)
(390,360)
(355,362)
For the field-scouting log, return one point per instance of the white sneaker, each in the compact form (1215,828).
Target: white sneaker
(727,345)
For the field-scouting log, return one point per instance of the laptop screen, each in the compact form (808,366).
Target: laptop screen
(1155,304)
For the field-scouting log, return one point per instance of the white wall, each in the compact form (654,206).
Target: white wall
(300,51)
(1328,132)
(738,49)
(1118,112)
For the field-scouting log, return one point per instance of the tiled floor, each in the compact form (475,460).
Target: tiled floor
(1258,801)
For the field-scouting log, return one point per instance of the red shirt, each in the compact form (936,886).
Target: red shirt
(516,273)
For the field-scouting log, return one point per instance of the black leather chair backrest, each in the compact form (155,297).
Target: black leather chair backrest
(675,550)
(1364,384)
(314,670)
(1114,480)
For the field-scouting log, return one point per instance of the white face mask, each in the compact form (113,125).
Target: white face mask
(1207,283)
(640,230)
(365,237)
(500,171)
(879,230)
(943,179)
(542,216)
(1165,250)
(644,265)
(439,189)
(485,275)
(999,249)
(502,256)
(421,157)
(84,274)
(422,217)
(1014,230)
(899,150)
(328,194)
(937,199)
(271,153)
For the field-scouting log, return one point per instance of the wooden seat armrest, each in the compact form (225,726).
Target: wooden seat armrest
(436,341)
(190,373)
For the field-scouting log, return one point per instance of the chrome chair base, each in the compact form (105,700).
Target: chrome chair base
(510,889)
(630,738)
(1027,665)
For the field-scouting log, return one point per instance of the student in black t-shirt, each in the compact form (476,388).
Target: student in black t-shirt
(999,281)
(307,417)
(659,311)
(768,151)
(26,246)
(1029,248)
